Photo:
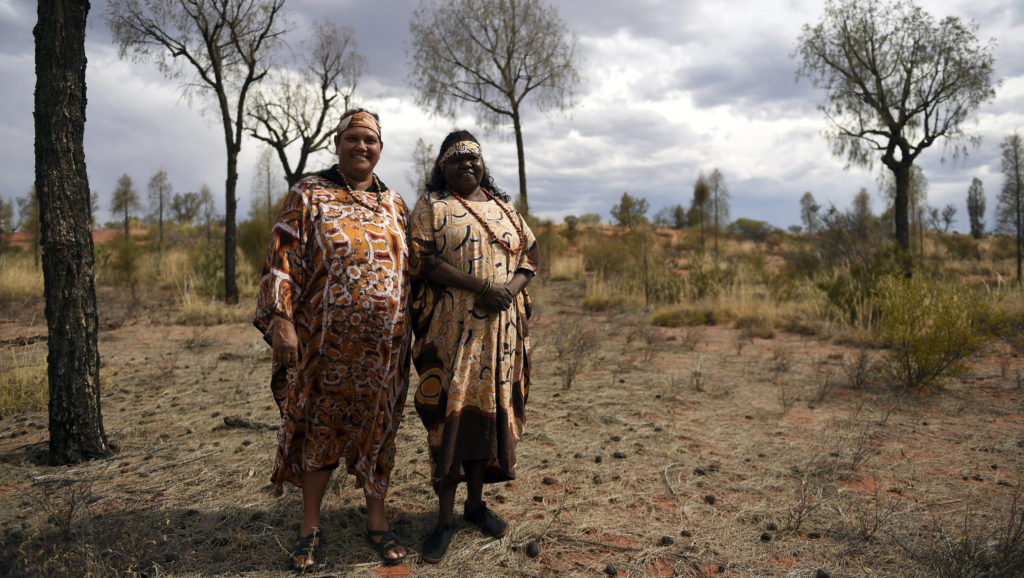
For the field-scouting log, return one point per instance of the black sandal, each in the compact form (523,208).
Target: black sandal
(385,542)
(308,546)
(436,544)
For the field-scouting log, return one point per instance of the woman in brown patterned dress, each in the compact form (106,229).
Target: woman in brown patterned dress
(472,255)
(332,303)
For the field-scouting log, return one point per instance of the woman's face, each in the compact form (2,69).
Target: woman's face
(464,172)
(358,152)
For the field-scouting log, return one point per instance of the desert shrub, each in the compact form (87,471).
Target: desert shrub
(208,269)
(965,549)
(253,238)
(573,348)
(120,262)
(684,316)
(930,327)
(708,279)
(1002,247)
(605,255)
(960,247)
(850,292)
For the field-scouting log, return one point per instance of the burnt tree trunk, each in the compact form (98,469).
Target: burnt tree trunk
(62,187)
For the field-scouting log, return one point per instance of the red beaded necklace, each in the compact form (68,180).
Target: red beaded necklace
(376,183)
(483,223)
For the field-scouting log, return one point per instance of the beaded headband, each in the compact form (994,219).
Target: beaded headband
(361,118)
(463,147)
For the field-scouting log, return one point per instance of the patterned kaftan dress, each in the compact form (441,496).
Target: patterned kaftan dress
(338,267)
(474,366)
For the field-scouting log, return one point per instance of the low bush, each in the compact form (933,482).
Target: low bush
(931,327)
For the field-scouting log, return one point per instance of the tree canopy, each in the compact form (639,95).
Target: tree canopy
(221,48)
(492,55)
(896,82)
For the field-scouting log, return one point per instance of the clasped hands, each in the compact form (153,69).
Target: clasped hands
(499,298)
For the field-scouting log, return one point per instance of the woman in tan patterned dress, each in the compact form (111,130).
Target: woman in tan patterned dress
(472,255)
(332,303)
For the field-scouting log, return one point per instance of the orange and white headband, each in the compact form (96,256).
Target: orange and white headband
(463,147)
(363,119)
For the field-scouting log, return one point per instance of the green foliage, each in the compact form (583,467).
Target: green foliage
(708,278)
(590,219)
(930,326)
(549,243)
(208,268)
(683,316)
(960,247)
(751,229)
(630,211)
(120,262)
(604,255)
(253,239)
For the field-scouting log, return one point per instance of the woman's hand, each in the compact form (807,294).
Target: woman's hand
(285,344)
(498,299)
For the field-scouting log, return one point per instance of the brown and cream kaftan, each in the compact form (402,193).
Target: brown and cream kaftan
(474,366)
(337,267)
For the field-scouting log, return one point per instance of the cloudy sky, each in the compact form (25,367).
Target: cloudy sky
(671,88)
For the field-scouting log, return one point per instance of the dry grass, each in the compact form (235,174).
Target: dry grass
(196,309)
(679,451)
(20,279)
(23,381)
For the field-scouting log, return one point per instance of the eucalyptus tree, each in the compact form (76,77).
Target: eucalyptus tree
(896,82)
(719,197)
(699,205)
(62,186)
(976,207)
(1010,210)
(124,200)
(298,104)
(160,190)
(492,55)
(220,49)
(809,212)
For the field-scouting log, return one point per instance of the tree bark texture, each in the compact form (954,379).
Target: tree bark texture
(62,186)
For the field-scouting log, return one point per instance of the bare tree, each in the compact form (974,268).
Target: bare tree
(297,105)
(976,207)
(261,207)
(1010,210)
(62,183)
(422,163)
(160,190)
(492,55)
(227,45)
(125,200)
(896,81)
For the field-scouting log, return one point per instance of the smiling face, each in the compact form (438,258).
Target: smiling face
(463,173)
(358,152)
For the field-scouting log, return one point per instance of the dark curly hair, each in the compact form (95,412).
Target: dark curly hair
(437,184)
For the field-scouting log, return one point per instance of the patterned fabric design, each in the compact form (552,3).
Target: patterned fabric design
(339,270)
(474,367)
